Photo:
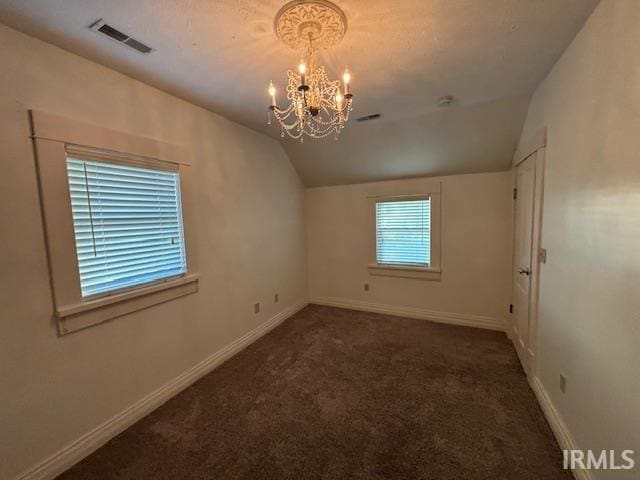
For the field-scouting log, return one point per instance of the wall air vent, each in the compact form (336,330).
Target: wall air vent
(116,35)
(368,118)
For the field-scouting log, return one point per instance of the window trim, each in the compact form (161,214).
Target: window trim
(91,155)
(109,299)
(413,266)
(53,138)
(431,272)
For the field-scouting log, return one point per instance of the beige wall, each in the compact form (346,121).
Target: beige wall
(589,317)
(476,246)
(249,244)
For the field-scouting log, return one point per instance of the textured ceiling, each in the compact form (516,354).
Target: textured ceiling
(404,55)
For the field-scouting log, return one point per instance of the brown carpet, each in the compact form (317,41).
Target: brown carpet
(339,394)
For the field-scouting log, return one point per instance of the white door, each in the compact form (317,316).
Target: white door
(523,257)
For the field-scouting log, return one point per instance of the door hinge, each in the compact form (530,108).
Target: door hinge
(511,308)
(542,255)
(515,193)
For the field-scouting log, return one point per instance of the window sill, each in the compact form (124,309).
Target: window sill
(76,317)
(405,271)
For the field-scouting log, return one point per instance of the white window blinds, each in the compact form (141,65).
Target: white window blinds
(403,232)
(128,224)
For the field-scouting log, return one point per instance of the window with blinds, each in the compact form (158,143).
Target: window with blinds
(128,225)
(403,232)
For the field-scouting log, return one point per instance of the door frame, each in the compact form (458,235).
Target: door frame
(537,144)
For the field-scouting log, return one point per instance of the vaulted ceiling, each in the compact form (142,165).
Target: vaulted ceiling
(404,55)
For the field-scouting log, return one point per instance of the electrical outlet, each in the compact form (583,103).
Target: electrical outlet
(563,383)
(256,308)
(366,287)
(275,298)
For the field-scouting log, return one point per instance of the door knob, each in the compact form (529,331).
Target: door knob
(524,271)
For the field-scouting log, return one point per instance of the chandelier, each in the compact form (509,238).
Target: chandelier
(315,105)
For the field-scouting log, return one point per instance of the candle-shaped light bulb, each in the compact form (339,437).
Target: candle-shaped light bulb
(272,92)
(346,78)
(339,99)
(302,68)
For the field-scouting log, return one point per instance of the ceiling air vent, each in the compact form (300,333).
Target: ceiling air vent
(446,101)
(368,118)
(114,34)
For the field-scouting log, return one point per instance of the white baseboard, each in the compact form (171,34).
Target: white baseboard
(480,321)
(559,428)
(91,441)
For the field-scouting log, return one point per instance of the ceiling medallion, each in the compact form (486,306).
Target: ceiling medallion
(317,107)
(322,19)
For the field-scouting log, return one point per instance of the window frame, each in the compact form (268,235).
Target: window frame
(431,272)
(54,139)
(403,199)
(84,154)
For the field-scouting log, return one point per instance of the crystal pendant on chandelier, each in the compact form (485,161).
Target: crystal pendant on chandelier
(317,106)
